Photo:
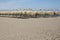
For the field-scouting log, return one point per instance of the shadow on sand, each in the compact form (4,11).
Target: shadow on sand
(25,16)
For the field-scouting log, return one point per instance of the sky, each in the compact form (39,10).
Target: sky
(34,4)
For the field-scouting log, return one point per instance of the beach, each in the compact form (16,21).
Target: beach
(30,29)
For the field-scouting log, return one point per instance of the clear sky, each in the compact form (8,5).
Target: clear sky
(43,4)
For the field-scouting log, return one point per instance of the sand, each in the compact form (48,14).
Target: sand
(30,29)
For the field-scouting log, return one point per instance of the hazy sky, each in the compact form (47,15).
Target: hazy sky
(44,4)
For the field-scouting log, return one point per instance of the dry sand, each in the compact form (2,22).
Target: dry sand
(30,29)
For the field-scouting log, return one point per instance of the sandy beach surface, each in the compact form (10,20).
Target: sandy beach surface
(30,29)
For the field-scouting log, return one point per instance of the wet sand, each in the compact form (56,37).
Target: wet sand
(30,29)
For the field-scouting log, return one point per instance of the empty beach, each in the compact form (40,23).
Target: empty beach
(30,29)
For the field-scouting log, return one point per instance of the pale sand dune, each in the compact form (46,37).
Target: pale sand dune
(30,29)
